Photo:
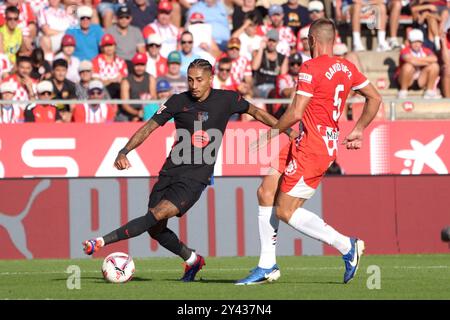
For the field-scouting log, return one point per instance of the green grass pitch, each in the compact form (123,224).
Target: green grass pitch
(306,277)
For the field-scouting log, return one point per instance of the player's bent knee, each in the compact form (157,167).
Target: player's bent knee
(265,194)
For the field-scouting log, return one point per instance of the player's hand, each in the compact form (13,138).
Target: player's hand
(122,162)
(354,140)
(293,135)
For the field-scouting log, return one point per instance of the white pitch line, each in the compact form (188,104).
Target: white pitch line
(220,270)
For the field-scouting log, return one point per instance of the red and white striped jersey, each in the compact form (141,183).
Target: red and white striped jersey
(228,84)
(86,113)
(156,67)
(287,38)
(11,114)
(55,18)
(105,70)
(170,35)
(21,93)
(5,65)
(37,5)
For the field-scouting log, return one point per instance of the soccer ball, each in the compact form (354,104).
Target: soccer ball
(118,267)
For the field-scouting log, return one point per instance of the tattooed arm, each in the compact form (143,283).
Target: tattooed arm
(138,137)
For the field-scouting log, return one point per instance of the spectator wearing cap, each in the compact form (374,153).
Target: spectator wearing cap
(98,112)
(177,81)
(26,23)
(67,51)
(53,21)
(139,85)
(168,32)
(418,64)
(303,43)
(81,87)
(241,70)
(43,112)
(285,35)
(186,52)
(295,15)
(216,15)
(143,12)
(63,88)
(9,113)
(248,7)
(87,35)
(41,68)
(156,63)
(11,38)
(267,64)
(25,84)
(286,84)
(163,91)
(129,39)
(250,41)
(107,9)
(108,67)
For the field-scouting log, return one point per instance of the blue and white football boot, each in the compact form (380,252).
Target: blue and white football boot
(260,275)
(352,259)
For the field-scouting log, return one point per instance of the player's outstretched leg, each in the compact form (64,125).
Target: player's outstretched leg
(352,259)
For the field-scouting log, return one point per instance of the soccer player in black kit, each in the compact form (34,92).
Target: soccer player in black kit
(201,111)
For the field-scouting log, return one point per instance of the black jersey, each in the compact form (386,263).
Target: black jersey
(200,128)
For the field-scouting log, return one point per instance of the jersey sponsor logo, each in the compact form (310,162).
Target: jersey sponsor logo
(200,139)
(291,168)
(330,136)
(161,109)
(202,116)
(305,77)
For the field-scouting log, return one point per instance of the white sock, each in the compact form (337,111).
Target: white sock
(357,38)
(381,36)
(191,259)
(102,242)
(312,225)
(268,229)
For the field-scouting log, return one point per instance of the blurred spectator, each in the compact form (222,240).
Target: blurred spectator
(106,10)
(303,44)
(67,53)
(138,85)
(9,113)
(87,35)
(223,79)
(11,39)
(177,81)
(248,7)
(85,73)
(54,21)
(341,50)
(268,64)
(241,69)
(25,84)
(163,91)
(395,8)
(94,112)
(43,112)
(156,64)
(427,17)
(143,12)
(108,67)
(316,11)
(164,28)
(286,84)
(129,39)
(418,63)
(41,68)
(295,15)
(250,41)
(187,55)
(216,15)
(286,36)
(445,56)
(37,5)
(5,66)
(26,23)
(63,89)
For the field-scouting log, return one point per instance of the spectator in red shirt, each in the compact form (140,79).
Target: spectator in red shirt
(97,112)
(418,63)
(43,113)
(9,113)
(156,64)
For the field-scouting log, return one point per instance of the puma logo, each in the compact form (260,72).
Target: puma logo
(14,225)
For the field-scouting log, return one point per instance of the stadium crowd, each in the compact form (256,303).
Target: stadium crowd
(141,49)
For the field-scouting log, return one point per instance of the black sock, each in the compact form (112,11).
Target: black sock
(169,240)
(132,229)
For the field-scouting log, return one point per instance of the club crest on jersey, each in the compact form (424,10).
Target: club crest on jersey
(305,77)
(291,168)
(161,109)
(202,116)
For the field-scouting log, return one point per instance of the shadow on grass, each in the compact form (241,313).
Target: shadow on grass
(201,280)
(101,280)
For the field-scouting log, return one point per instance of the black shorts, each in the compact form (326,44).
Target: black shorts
(182,192)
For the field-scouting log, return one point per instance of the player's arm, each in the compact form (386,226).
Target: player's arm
(264,117)
(370,110)
(135,141)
